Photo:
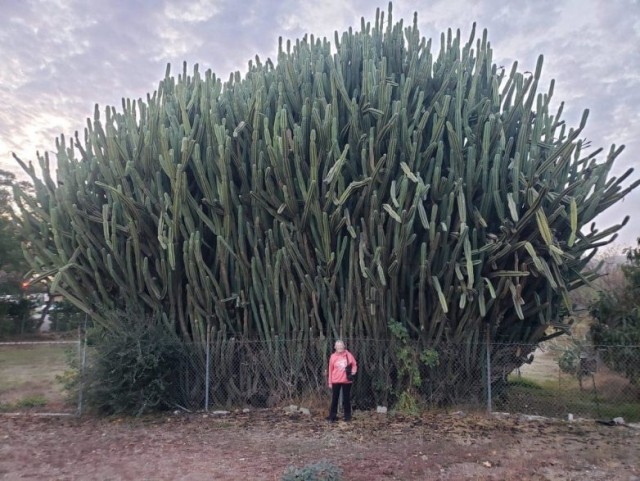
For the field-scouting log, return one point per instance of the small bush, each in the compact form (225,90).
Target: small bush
(24,403)
(32,402)
(320,471)
(69,379)
(569,359)
(134,371)
(407,404)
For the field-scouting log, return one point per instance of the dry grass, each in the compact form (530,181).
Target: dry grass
(544,366)
(29,371)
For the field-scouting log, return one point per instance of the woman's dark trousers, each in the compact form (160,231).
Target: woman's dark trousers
(346,400)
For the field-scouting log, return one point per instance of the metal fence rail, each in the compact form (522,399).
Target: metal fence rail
(553,379)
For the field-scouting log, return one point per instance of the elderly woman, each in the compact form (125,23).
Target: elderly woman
(341,364)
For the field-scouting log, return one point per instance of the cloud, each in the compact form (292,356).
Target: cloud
(191,11)
(179,28)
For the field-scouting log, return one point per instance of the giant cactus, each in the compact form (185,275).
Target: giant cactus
(328,193)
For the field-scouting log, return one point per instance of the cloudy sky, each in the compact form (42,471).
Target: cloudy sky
(58,58)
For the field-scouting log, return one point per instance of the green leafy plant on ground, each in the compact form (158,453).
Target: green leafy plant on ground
(32,401)
(27,402)
(319,471)
(411,363)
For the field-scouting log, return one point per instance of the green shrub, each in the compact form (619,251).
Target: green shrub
(569,361)
(32,401)
(320,471)
(134,371)
(27,402)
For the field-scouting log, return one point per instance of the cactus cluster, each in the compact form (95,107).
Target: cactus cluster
(328,193)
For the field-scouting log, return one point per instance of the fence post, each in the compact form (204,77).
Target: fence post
(488,371)
(206,370)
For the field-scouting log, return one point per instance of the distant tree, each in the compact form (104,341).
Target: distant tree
(64,316)
(16,316)
(11,258)
(15,310)
(608,264)
(12,262)
(616,313)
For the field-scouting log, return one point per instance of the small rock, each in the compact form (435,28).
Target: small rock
(381,409)
(618,420)
(291,409)
(533,417)
(246,410)
(459,414)
(500,415)
(219,413)
(205,416)
(570,417)
(305,411)
(486,464)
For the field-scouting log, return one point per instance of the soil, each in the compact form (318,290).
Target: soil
(261,444)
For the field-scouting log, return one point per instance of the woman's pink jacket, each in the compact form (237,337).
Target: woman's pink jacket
(337,365)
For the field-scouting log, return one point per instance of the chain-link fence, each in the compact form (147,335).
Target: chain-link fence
(578,379)
(552,379)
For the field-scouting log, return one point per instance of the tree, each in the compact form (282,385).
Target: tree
(617,320)
(12,262)
(64,316)
(332,193)
(15,310)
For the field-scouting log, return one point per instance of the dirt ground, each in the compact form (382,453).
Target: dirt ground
(259,445)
